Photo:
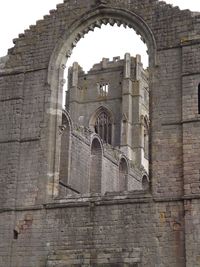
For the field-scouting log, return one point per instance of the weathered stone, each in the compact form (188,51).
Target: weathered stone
(39,227)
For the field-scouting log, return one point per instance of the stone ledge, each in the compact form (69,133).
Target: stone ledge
(190,41)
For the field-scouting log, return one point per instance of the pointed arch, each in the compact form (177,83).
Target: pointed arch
(145,182)
(123,174)
(95,165)
(101,123)
(62,51)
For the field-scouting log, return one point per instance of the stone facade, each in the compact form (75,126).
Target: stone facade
(119,90)
(40,225)
(90,166)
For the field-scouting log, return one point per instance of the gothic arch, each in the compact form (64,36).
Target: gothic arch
(94,18)
(34,128)
(123,174)
(107,133)
(145,182)
(66,117)
(95,165)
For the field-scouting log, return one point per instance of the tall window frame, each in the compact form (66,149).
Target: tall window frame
(123,174)
(101,123)
(95,166)
(103,127)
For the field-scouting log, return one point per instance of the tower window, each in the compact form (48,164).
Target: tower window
(103,127)
(102,89)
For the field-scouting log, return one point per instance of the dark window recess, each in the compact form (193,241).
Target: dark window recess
(123,175)
(145,182)
(95,167)
(15,234)
(103,127)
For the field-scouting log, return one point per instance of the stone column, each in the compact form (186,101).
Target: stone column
(136,113)
(73,92)
(126,123)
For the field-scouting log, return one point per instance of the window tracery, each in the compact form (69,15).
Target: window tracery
(103,126)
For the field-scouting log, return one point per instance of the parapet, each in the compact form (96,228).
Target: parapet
(106,64)
(116,62)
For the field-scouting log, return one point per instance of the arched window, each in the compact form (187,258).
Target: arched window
(95,166)
(64,149)
(103,126)
(123,175)
(145,182)
(199,99)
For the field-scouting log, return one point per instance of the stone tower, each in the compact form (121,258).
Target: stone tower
(112,99)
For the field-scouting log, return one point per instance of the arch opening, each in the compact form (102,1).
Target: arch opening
(103,127)
(101,122)
(123,175)
(145,182)
(57,66)
(95,166)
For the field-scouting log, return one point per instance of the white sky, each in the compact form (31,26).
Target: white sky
(16,16)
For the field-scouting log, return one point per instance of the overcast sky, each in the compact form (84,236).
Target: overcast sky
(16,16)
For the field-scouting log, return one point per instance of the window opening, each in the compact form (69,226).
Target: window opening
(145,182)
(15,234)
(103,127)
(95,167)
(123,175)
(102,122)
(102,89)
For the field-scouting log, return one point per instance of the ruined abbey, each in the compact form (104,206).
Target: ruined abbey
(113,178)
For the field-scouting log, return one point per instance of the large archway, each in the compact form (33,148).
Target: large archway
(137,224)
(62,51)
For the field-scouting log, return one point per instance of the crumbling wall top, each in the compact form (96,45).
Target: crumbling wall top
(34,47)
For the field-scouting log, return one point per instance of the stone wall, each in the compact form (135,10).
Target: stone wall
(93,167)
(110,230)
(158,230)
